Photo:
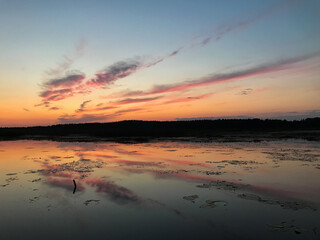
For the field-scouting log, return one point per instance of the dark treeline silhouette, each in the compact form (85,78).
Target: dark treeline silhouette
(155,129)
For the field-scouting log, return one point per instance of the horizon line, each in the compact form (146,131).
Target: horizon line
(176,120)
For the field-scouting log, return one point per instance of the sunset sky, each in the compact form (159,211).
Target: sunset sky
(102,61)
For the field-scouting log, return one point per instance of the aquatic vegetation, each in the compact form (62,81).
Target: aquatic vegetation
(191,198)
(213,204)
(285,227)
(87,202)
(36,180)
(303,155)
(11,174)
(224,185)
(80,166)
(293,205)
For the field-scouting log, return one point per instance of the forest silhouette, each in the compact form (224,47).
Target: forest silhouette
(306,128)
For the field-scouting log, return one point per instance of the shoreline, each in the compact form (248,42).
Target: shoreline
(310,135)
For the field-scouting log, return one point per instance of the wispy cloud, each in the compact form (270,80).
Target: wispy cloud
(188,99)
(55,89)
(74,118)
(223,30)
(135,100)
(54,108)
(84,103)
(67,81)
(246,91)
(114,72)
(270,67)
(83,119)
(75,84)
(59,88)
(82,106)
(98,109)
(69,59)
(56,95)
(43,103)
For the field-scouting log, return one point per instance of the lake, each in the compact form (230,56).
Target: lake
(160,190)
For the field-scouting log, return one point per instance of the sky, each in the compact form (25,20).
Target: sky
(103,61)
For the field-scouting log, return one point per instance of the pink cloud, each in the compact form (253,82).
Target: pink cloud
(188,99)
(129,110)
(263,69)
(135,100)
(68,81)
(97,109)
(83,119)
(114,72)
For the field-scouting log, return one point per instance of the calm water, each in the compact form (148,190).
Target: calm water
(162,190)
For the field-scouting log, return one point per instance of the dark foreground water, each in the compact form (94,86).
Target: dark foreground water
(161,190)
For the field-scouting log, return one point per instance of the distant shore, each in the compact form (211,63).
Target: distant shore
(197,130)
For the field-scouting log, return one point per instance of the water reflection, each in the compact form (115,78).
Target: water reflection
(225,189)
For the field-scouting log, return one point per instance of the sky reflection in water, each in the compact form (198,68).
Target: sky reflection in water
(159,190)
